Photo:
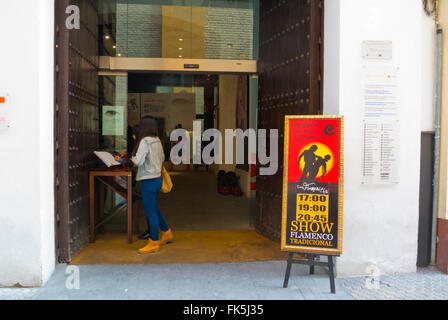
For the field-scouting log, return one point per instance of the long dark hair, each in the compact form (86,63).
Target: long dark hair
(146,128)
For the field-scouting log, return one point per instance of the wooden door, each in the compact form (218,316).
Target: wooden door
(290,71)
(76,123)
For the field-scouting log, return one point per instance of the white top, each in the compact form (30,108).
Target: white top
(149,159)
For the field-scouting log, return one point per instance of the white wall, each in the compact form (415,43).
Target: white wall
(27,253)
(380,222)
(227,109)
(332,51)
(428,73)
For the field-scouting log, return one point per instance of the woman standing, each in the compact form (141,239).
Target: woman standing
(148,156)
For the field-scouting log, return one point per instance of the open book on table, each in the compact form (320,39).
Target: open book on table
(107,158)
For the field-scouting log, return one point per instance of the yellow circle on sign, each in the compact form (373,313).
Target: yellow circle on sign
(322,151)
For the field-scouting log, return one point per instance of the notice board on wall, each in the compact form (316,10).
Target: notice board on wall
(381,125)
(313,185)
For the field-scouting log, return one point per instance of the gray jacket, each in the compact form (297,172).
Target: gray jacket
(149,159)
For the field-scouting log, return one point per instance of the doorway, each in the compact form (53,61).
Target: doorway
(288,83)
(209,225)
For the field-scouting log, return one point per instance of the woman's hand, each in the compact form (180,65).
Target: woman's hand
(124,160)
(120,159)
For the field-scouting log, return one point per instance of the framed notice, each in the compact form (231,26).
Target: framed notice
(313,185)
(380,152)
(381,125)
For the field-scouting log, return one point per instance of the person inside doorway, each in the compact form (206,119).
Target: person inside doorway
(131,138)
(148,156)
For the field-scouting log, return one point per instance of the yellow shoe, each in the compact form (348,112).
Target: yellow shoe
(151,247)
(167,237)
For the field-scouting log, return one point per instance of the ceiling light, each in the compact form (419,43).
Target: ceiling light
(107,37)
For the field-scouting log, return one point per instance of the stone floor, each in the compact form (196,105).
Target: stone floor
(426,284)
(261,280)
(226,281)
(208,228)
(189,247)
(194,204)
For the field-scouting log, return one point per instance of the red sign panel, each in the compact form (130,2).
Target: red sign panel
(312,186)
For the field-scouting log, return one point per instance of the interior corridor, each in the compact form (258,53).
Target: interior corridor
(208,228)
(194,204)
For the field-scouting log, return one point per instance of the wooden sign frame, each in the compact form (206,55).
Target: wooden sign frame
(333,207)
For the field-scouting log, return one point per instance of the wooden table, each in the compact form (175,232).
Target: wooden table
(107,177)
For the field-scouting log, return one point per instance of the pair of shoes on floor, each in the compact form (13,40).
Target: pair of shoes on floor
(228,183)
(154,246)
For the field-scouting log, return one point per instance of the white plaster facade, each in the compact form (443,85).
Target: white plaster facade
(380,223)
(27,250)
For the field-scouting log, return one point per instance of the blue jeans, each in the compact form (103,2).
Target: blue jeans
(150,189)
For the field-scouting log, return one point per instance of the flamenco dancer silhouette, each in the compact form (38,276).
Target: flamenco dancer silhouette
(313,163)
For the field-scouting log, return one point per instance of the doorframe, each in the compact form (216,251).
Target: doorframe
(61,124)
(172,65)
(65,88)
